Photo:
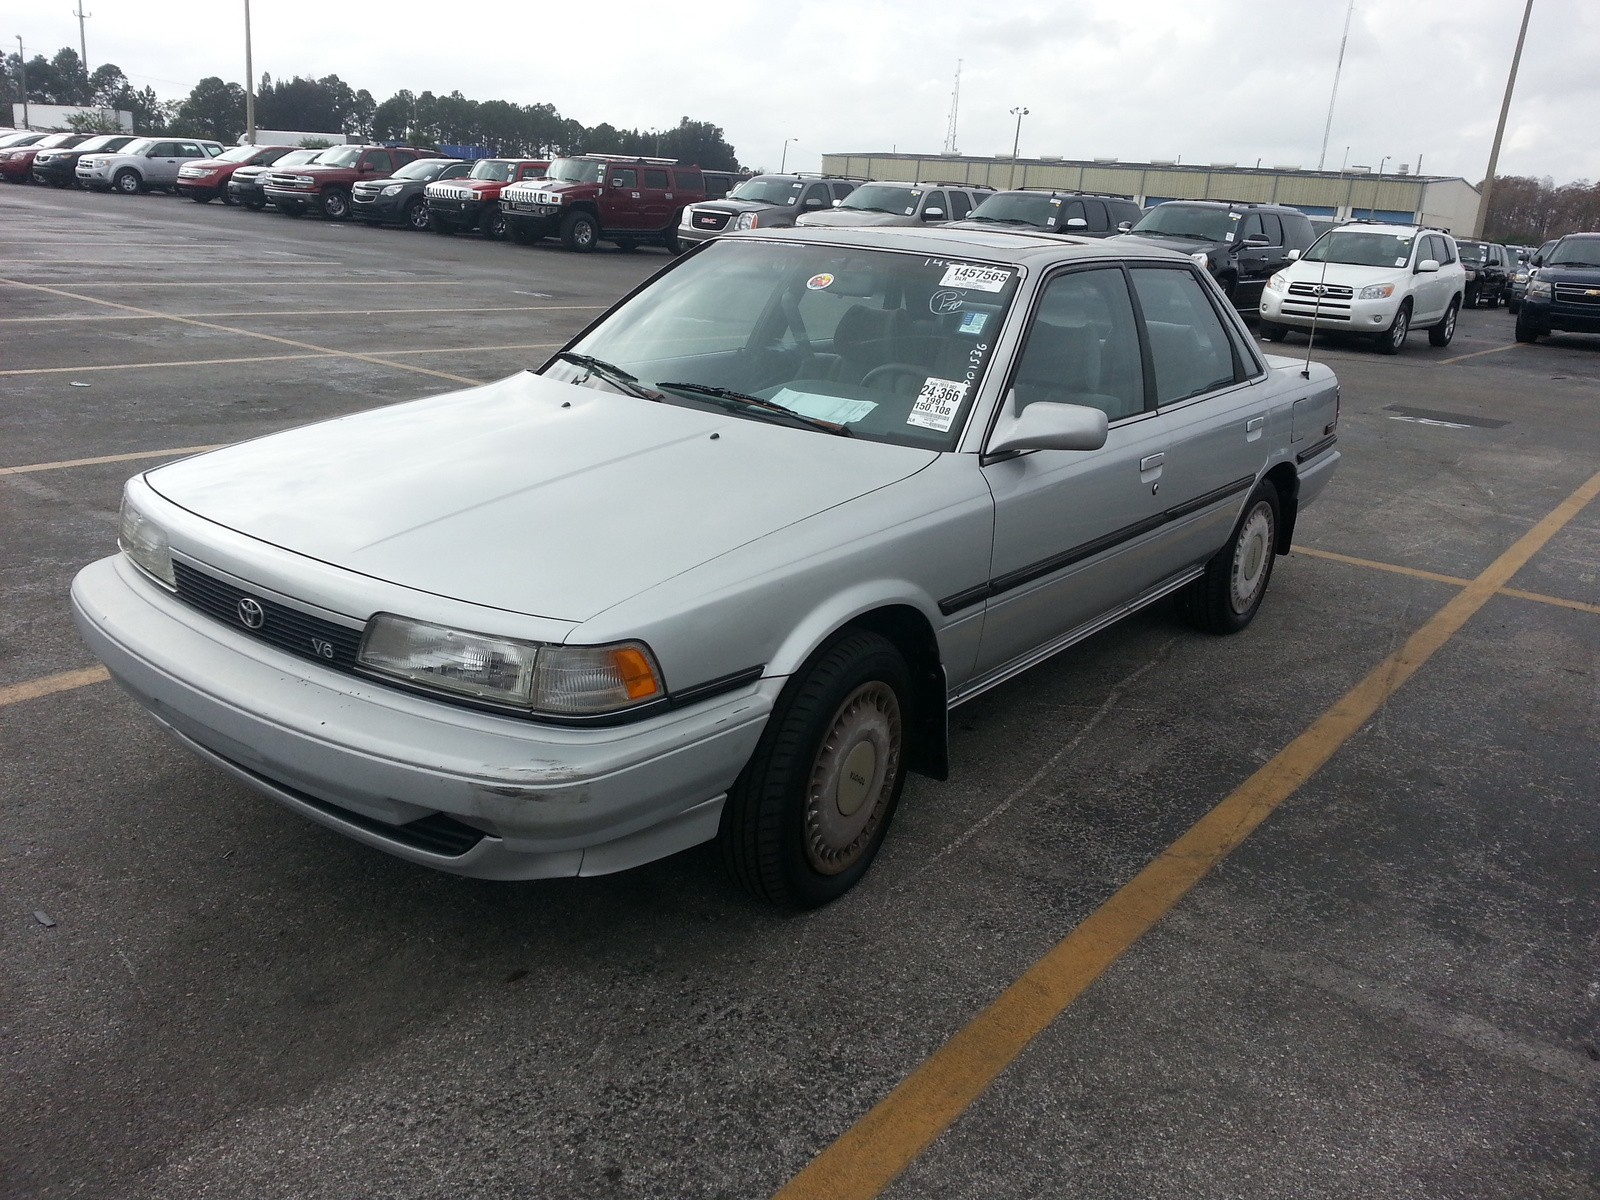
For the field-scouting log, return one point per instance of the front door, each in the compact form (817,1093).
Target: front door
(619,199)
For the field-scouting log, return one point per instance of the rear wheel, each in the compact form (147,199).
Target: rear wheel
(1441,333)
(1225,599)
(808,813)
(1393,340)
(127,181)
(580,232)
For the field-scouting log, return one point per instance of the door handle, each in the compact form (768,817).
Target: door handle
(1254,423)
(1151,461)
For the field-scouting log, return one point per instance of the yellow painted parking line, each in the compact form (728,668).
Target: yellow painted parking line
(309,312)
(1518,593)
(33,689)
(1480,353)
(134,456)
(878,1147)
(265,337)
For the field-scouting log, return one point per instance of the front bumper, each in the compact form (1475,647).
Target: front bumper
(370,760)
(1548,316)
(543,219)
(461,212)
(291,197)
(54,172)
(93,176)
(191,187)
(376,208)
(1350,315)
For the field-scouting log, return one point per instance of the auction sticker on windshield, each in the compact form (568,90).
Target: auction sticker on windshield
(969,275)
(817,282)
(937,403)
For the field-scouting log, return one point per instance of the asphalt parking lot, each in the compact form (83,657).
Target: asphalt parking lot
(1374,970)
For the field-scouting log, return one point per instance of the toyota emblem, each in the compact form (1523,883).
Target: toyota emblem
(251,614)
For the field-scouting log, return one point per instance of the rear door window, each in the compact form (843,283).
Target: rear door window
(657,179)
(1189,348)
(1272,227)
(1094,211)
(378,161)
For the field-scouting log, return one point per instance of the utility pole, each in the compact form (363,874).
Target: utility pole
(955,105)
(249,83)
(1018,112)
(783,160)
(1500,129)
(83,43)
(22,63)
(1327,128)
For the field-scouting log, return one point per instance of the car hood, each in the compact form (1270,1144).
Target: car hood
(1181,244)
(742,206)
(1587,276)
(529,495)
(856,217)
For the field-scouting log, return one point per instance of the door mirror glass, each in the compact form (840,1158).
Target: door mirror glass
(1046,426)
(1077,223)
(1427,266)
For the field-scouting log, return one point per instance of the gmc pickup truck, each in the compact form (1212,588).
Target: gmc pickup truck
(325,186)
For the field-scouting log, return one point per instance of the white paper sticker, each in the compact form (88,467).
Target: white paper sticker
(937,403)
(1399,262)
(841,410)
(984,279)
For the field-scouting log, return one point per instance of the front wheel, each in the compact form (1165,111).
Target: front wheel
(494,224)
(1393,340)
(336,204)
(808,813)
(128,182)
(1225,599)
(580,232)
(255,205)
(202,197)
(1273,333)
(417,215)
(1526,330)
(1441,333)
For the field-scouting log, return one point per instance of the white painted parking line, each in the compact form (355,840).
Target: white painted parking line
(307,312)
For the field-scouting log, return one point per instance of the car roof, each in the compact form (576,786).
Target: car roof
(1020,246)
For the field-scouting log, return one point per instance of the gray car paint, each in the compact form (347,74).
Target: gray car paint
(864,526)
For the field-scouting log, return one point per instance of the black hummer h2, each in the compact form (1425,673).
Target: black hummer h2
(1083,214)
(770,201)
(1242,245)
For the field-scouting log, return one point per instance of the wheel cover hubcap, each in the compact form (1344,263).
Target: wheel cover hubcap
(852,778)
(1251,557)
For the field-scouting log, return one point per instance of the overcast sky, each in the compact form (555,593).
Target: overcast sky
(1207,80)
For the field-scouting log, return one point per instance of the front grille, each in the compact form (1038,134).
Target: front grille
(706,218)
(1325,312)
(437,191)
(1577,293)
(289,629)
(1328,291)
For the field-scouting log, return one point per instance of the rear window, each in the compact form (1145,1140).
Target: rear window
(692,181)
(657,179)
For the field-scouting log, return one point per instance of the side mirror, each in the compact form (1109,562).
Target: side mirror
(1124,226)
(1294,256)
(1045,426)
(816,202)
(1427,266)
(836,203)
(1258,239)
(933,214)
(1077,223)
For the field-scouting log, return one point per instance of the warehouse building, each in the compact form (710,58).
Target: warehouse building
(1444,201)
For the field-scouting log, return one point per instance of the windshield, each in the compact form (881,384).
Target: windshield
(1575,252)
(1472,252)
(238,154)
(883,198)
(62,140)
(106,141)
(575,170)
(492,168)
(424,168)
(138,145)
(1020,208)
(891,347)
(339,156)
(768,191)
(1362,248)
(1190,221)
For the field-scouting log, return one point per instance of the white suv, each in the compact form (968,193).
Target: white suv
(1381,280)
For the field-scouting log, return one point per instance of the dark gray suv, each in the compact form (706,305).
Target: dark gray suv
(1242,245)
(1083,214)
(763,202)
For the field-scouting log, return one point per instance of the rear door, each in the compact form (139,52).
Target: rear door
(655,191)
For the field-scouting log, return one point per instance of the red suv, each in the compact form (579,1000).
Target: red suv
(326,185)
(609,197)
(457,205)
(205,179)
(16,164)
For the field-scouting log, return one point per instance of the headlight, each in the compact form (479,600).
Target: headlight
(747,221)
(145,544)
(1277,284)
(1538,288)
(1201,257)
(1376,291)
(557,680)
(1520,277)
(394,189)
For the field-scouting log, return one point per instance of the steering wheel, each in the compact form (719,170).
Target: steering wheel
(895,368)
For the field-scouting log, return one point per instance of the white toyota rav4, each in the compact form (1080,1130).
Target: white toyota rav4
(1380,280)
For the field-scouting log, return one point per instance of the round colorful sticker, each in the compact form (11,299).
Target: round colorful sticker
(817,282)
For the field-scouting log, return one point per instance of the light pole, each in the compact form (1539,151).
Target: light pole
(22,63)
(1016,141)
(249,83)
(1500,129)
(783,158)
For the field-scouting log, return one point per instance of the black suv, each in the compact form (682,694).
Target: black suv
(1242,245)
(59,167)
(1084,214)
(398,199)
(1564,290)
(764,202)
(1489,269)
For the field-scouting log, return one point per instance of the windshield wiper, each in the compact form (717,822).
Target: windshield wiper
(611,373)
(722,393)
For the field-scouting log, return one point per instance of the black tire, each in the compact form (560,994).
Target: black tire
(1229,284)
(627,245)
(521,235)
(438,226)
(417,215)
(226,197)
(127,182)
(1273,333)
(1441,333)
(786,836)
(335,204)
(1393,339)
(1526,330)
(1226,598)
(580,231)
(493,224)
(1513,305)
(203,197)
(255,205)
(1471,298)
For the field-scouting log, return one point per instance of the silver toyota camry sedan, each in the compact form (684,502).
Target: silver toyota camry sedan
(721,568)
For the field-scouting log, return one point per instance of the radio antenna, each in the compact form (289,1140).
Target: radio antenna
(1316,311)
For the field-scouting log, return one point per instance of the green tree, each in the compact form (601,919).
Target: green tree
(214,109)
(71,84)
